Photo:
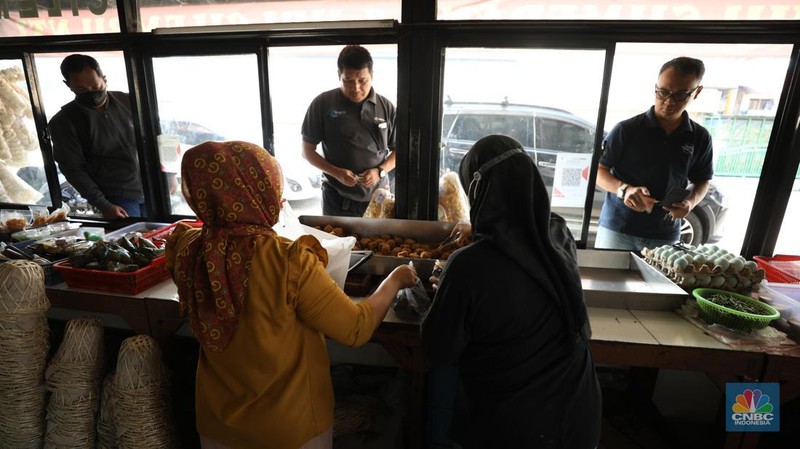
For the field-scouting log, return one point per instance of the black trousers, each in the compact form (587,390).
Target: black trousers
(335,204)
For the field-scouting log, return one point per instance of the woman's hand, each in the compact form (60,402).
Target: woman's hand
(403,276)
(463,232)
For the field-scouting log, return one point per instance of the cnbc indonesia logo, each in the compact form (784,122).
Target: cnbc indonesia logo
(751,409)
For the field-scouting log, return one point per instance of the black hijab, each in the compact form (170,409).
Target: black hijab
(509,206)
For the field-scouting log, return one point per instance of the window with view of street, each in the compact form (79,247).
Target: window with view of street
(55,94)
(740,133)
(296,76)
(553,113)
(229,108)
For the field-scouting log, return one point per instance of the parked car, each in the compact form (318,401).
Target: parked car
(545,132)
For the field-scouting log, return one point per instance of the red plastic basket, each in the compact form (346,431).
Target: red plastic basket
(131,283)
(780,268)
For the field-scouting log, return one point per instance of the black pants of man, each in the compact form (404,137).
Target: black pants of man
(335,204)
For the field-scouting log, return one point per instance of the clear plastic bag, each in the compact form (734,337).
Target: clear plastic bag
(412,302)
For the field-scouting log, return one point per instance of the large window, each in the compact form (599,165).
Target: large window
(788,240)
(296,76)
(194,13)
(22,178)
(46,18)
(517,92)
(55,94)
(739,128)
(211,98)
(618,10)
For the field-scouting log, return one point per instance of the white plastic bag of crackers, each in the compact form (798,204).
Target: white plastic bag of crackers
(381,205)
(453,205)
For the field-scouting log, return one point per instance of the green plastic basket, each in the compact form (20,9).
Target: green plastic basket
(734,319)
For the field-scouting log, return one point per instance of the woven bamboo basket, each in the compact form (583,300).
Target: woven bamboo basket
(106,430)
(22,287)
(73,379)
(142,412)
(24,345)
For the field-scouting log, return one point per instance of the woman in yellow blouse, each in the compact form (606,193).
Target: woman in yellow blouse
(260,306)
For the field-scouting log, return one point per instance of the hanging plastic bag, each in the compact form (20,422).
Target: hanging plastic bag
(338,248)
(412,302)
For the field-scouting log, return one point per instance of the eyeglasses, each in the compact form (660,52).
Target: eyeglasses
(680,97)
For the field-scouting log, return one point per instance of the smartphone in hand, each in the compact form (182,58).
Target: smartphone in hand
(673,196)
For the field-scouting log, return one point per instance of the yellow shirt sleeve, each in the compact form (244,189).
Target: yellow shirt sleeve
(320,303)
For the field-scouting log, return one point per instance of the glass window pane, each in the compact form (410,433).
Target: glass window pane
(789,240)
(739,128)
(53,18)
(183,13)
(552,113)
(56,94)
(22,178)
(617,10)
(318,74)
(225,110)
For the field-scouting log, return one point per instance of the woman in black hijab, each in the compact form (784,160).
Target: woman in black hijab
(509,312)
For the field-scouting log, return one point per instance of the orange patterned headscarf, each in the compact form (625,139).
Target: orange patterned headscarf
(235,188)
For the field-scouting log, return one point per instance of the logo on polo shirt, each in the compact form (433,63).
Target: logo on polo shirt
(750,407)
(688,148)
(333,113)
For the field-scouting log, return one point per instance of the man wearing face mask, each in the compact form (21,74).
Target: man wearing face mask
(94,143)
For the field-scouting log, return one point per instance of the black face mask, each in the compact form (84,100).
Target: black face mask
(93,98)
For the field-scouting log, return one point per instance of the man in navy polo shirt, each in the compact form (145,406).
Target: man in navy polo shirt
(356,128)
(648,155)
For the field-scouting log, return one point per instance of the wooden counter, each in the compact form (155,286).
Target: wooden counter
(636,338)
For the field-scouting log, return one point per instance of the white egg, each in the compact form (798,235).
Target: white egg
(717,281)
(738,263)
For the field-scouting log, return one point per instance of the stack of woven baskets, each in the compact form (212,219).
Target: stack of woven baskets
(73,378)
(24,344)
(139,403)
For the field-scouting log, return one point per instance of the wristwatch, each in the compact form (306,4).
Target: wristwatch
(381,172)
(621,191)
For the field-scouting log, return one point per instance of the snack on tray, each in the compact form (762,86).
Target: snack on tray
(452,199)
(381,204)
(39,214)
(12,221)
(59,214)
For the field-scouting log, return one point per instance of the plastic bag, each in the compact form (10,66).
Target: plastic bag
(453,203)
(381,205)
(412,301)
(338,248)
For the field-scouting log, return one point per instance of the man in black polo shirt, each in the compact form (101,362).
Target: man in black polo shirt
(356,128)
(648,155)
(94,143)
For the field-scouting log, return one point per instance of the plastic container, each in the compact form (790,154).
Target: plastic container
(734,319)
(144,228)
(785,298)
(130,283)
(780,268)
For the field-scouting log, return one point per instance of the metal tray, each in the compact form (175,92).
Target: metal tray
(611,279)
(419,230)
(623,280)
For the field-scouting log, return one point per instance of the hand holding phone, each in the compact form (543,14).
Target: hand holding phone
(673,196)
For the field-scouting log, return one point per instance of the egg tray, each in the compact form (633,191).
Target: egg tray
(703,275)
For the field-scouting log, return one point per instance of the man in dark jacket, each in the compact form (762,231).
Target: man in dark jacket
(94,142)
